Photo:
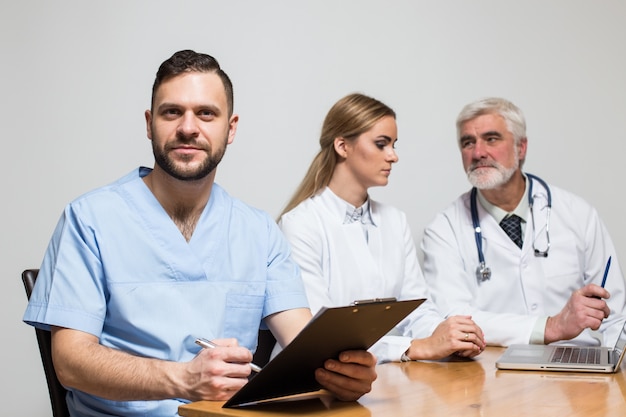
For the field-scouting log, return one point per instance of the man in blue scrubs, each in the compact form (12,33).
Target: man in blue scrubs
(137,269)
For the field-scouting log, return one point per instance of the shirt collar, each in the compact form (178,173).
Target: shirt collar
(498,214)
(345,211)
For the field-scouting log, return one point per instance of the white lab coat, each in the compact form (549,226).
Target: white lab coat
(522,287)
(339,266)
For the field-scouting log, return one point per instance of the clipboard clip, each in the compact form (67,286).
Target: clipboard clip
(374,301)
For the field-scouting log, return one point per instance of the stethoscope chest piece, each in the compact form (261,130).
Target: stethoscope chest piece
(483,272)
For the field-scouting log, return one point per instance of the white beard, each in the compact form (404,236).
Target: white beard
(490,178)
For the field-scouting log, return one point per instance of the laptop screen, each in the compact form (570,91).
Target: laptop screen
(620,345)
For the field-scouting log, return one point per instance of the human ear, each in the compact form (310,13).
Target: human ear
(232,127)
(340,146)
(148,116)
(523,146)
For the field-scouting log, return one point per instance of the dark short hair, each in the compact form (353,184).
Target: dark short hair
(191,61)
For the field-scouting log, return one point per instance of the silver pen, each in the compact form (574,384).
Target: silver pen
(207,344)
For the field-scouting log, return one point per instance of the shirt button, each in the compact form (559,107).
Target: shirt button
(533,307)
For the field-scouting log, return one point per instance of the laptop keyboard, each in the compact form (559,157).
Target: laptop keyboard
(576,355)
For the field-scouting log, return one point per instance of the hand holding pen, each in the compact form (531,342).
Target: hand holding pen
(216,372)
(207,344)
(581,311)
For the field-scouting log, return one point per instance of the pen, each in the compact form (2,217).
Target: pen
(606,271)
(207,344)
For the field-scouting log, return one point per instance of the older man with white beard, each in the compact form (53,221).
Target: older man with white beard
(525,259)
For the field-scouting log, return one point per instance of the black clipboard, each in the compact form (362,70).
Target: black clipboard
(331,331)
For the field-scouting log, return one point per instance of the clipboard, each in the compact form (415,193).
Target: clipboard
(331,331)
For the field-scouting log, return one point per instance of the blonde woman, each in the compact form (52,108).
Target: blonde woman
(350,247)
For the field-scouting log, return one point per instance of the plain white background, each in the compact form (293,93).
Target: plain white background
(76,78)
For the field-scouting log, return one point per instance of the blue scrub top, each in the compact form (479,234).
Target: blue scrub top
(119,268)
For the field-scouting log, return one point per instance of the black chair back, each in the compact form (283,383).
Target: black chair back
(264,348)
(56,390)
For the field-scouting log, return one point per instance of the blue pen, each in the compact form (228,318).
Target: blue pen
(606,271)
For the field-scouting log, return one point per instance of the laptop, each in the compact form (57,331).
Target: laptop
(565,358)
(331,331)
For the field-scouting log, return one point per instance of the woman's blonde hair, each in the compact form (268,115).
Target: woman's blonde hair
(348,118)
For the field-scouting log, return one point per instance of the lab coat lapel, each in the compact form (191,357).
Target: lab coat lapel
(351,247)
(357,246)
(492,233)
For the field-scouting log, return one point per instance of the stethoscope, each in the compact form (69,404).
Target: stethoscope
(483,272)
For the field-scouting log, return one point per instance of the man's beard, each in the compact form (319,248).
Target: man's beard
(495,177)
(181,172)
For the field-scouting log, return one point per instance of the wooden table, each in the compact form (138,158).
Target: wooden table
(457,388)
